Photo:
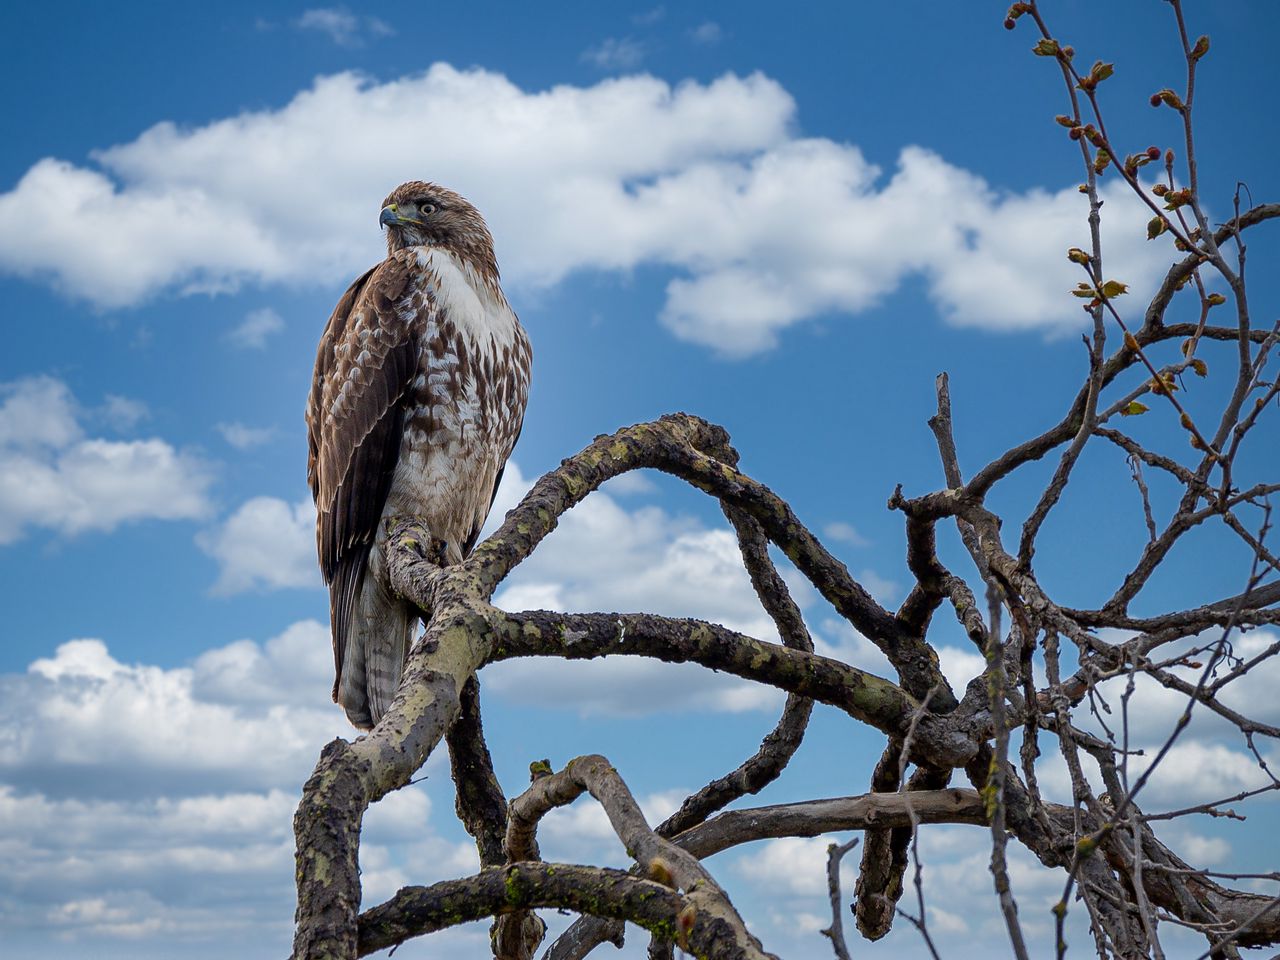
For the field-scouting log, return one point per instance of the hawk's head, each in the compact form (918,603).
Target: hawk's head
(426,214)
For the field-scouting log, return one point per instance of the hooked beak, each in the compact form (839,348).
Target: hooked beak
(391,217)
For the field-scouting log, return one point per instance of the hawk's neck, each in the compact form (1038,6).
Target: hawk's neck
(467,294)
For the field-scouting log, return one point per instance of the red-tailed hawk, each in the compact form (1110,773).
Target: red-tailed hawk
(418,396)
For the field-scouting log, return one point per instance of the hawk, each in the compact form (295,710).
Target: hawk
(419,393)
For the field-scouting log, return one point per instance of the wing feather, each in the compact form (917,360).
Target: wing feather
(355,419)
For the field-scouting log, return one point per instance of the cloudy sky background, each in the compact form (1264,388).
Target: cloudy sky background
(787,225)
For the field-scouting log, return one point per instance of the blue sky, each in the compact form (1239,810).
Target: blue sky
(787,224)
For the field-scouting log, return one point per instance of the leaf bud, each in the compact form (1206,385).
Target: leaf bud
(684,926)
(1153,153)
(660,872)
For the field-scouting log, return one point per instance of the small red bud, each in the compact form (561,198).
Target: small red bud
(1153,153)
(1155,100)
(1168,156)
(1075,133)
(1068,52)
(1159,189)
(1010,23)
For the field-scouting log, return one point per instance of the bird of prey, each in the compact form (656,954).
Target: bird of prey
(417,400)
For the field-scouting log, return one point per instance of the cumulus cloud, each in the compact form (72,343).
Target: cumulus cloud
(792,865)
(1154,709)
(603,556)
(1210,758)
(149,805)
(267,544)
(790,874)
(581,832)
(253,331)
(762,229)
(82,720)
(53,476)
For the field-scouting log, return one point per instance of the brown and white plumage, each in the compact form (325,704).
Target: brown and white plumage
(418,397)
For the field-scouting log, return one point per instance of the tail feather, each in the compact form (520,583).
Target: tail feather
(378,635)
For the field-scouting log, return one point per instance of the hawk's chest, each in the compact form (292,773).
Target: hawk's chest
(469,389)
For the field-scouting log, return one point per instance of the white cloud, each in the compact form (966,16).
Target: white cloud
(762,230)
(53,476)
(1209,760)
(81,715)
(960,665)
(615,53)
(581,832)
(266,544)
(244,437)
(1195,847)
(630,484)
(37,412)
(253,331)
(342,26)
(1194,771)
(1154,708)
(150,805)
(290,667)
(792,866)
(605,557)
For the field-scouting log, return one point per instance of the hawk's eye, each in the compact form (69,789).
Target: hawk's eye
(426,209)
